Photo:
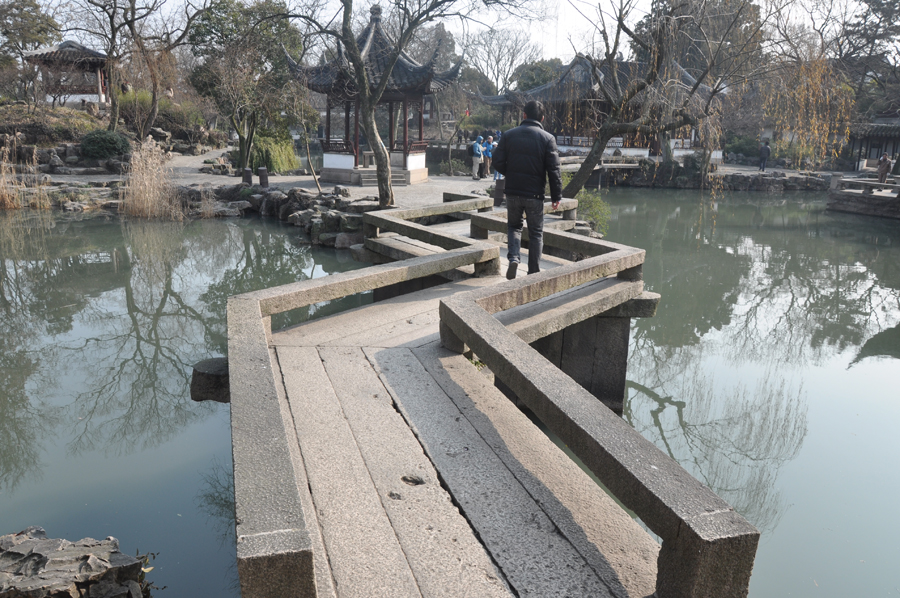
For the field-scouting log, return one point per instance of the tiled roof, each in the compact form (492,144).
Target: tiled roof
(875,130)
(576,82)
(408,77)
(67,52)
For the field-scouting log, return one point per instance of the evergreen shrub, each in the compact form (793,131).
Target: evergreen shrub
(275,153)
(103,144)
(742,144)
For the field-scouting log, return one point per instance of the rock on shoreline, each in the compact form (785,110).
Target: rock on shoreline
(34,566)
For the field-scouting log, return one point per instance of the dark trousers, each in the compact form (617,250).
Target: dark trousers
(533,210)
(762,164)
(481,170)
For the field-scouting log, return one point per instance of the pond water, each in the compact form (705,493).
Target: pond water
(772,373)
(100,323)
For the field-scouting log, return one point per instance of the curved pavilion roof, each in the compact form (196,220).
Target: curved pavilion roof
(68,52)
(407,78)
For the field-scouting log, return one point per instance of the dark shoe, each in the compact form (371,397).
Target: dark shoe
(511,270)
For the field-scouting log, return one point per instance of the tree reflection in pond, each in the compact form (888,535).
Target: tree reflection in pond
(126,309)
(754,292)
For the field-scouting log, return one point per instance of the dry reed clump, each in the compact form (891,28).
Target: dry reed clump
(148,190)
(11,189)
(207,202)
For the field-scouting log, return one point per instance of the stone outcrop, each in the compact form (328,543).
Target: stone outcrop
(34,566)
(674,175)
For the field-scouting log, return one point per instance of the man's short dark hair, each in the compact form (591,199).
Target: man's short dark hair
(534,110)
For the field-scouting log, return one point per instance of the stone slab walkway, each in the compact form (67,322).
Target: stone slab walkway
(427,481)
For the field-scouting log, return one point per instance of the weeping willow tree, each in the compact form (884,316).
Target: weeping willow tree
(810,104)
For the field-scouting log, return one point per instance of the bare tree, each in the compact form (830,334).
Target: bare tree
(409,15)
(155,41)
(660,95)
(107,23)
(497,53)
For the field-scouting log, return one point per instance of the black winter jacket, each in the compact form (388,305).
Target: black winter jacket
(527,156)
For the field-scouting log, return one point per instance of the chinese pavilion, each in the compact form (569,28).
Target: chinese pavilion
(409,82)
(68,68)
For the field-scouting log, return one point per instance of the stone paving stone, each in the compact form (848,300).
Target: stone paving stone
(536,560)
(366,558)
(324,580)
(443,552)
(621,552)
(374,322)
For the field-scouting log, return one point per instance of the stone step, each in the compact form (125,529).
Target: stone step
(370,179)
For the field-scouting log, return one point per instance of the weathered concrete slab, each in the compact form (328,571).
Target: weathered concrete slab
(618,549)
(378,324)
(307,292)
(322,569)
(523,541)
(400,248)
(274,551)
(443,552)
(551,314)
(365,556)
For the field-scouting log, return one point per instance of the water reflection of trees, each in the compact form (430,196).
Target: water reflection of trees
(216,500)
(141,358)
(118,310)
(748,286)
(25,418)
(733,438)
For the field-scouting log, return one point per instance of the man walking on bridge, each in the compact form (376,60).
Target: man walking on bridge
(527,156)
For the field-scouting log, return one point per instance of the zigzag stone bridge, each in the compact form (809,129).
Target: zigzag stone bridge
(372,456)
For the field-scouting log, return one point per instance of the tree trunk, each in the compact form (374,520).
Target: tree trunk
(309,161)
(590,162)
(665,147)
(246,130)
(113,93)
(437,110)
(382,157)
(145,124)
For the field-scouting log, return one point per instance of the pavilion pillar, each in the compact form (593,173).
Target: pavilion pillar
(391,126)
(405,132)
(347,122)
(356,135)
(422,119)
(327,121)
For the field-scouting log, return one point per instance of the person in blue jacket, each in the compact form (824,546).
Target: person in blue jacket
(487,152)
(477,157)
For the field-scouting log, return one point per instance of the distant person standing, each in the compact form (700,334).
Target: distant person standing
(764,152)
(527,156)
(476,151)
(488,153)
(884,167)
(459,137)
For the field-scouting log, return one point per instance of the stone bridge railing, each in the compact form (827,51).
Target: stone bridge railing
(707,548)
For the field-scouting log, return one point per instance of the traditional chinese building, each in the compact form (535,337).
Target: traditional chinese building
(68,69)
(408,84)
(574,101)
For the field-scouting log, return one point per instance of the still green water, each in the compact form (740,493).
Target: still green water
(100,323)
(771,373)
